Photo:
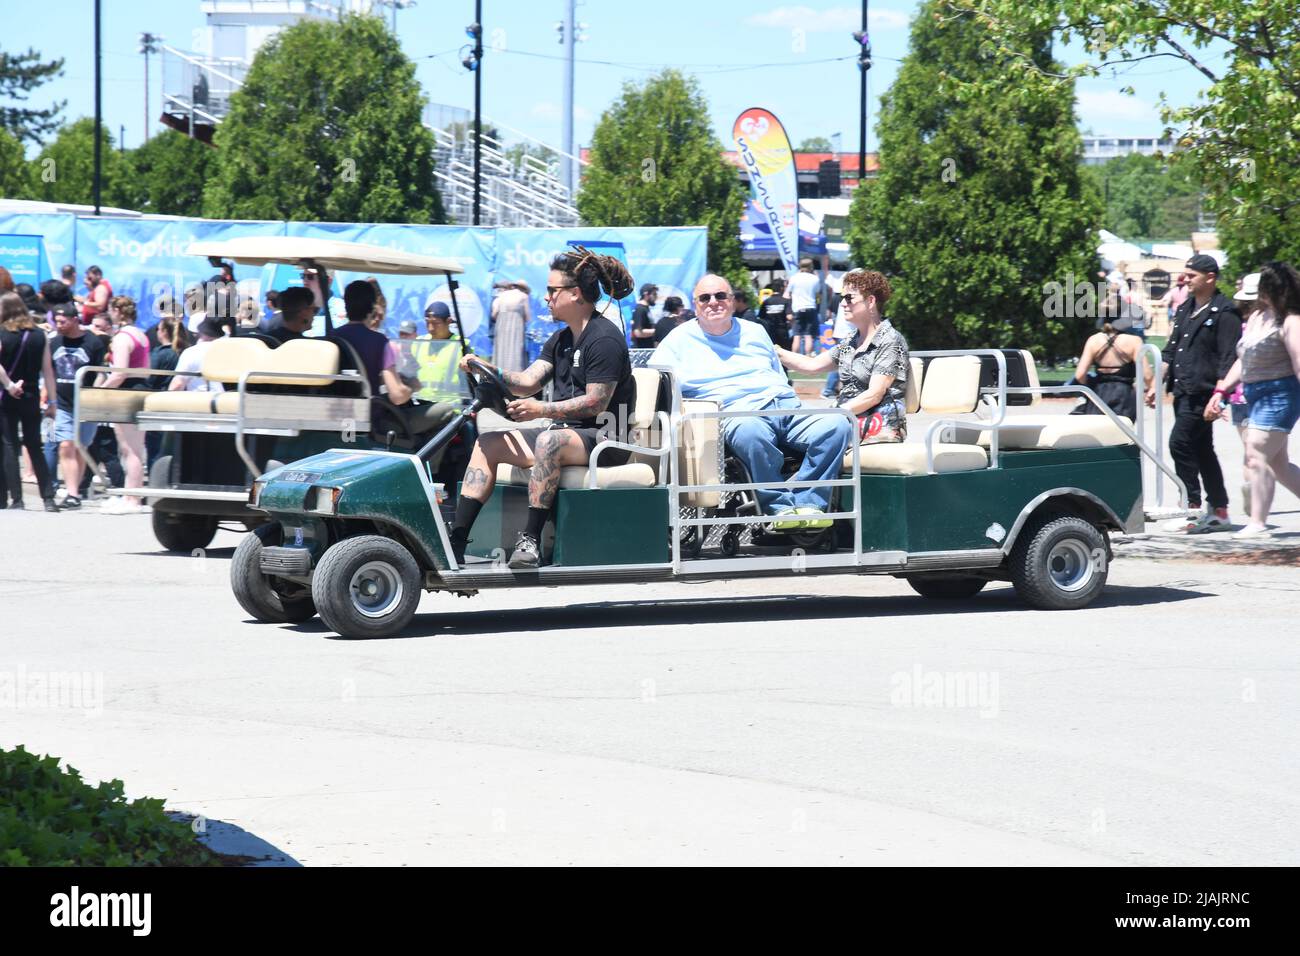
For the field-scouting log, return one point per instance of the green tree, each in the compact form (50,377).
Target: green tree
(980,201)
(20,75)
(326,127)
(655,162)
(15,171)
(1242,136)
(65,169)
(814,144)
(168,173)
(1145,198)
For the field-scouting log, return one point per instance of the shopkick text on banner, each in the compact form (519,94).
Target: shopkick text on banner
(765,151)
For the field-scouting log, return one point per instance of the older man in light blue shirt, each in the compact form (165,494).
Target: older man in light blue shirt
(722,359)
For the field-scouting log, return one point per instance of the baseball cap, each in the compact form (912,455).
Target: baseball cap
(1203,263)
(406,325)
(438,310)
(1249,290)
(648,288)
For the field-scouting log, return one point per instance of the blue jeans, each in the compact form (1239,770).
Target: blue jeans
(832,384)
(758,442)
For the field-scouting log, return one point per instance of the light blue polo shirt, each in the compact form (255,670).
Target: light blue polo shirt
(738,369)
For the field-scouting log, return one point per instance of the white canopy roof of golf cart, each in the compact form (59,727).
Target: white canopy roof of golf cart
(333,254)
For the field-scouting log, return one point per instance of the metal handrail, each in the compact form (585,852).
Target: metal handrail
(676,491)
(1157,376)
(77,385)
(662,452)
(243,395)
(994,451)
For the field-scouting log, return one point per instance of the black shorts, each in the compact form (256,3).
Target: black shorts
(805,323)
(591,437)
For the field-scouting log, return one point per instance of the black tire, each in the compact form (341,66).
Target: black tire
(1059,563)
(729,545)
(947,587)
(354,565)
(260,594)
(183,532)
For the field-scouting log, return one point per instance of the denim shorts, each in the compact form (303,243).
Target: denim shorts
(1274,405)
(1239,416)
(63,425)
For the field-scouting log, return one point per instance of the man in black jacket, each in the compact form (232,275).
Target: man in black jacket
(1202,347)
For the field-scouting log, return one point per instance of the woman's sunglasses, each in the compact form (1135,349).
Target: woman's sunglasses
(704,297)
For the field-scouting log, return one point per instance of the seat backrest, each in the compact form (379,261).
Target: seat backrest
(228,358)
(699,454)
(915,372)
(952,385)
(1031,375)
(308,356)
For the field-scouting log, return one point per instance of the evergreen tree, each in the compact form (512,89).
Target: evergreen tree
(327,126)
(20,75)
(656,162)
(980,201)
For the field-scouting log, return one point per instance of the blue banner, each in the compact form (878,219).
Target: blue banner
(145,258)
(58,237)
(24,257)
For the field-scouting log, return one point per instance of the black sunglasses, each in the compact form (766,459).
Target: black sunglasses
(552,289)
(716,296)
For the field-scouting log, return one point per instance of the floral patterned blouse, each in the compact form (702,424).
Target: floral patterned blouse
(885,354)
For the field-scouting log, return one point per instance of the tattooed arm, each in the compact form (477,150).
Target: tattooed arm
(530,379)
(595,401)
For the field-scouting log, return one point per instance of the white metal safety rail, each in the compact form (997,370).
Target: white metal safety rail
(1156,357)
(676,490)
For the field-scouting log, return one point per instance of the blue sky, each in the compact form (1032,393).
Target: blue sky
(723,42)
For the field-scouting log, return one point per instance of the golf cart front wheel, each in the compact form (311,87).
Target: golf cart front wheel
(266,598)
(368,586)
(1060,564)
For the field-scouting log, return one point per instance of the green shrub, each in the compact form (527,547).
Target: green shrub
(50,817)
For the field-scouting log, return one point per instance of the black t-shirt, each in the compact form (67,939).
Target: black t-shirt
(24,367)
(71,355)
(282,333)
(665,325)
(641,322)
(774,314)
(600,355)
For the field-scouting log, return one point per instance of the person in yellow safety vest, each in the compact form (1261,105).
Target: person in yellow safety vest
(438,355)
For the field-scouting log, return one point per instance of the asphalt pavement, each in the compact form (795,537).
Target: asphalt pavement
(796,721)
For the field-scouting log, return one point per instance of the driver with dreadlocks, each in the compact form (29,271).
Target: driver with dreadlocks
(594,396)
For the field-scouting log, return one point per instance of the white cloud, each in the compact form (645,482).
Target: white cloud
(834,20)
(1102,109)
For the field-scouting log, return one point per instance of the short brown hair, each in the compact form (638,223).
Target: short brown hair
(864,282)
(125,306)
(13,313)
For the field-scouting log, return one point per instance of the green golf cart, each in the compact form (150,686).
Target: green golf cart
(273,402)
(991,491)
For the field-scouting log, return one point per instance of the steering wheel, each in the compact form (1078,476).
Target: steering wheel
(490,388)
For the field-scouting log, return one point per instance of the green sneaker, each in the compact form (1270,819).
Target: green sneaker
(813,524)
(787,521)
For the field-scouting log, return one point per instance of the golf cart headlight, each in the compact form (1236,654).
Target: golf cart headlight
(325,501)
(255,492)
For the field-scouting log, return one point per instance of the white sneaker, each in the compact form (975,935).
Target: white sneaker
(1205,523)
(122,506)
(1254,531)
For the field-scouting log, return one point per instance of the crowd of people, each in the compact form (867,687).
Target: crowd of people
(49,335)
(722,347)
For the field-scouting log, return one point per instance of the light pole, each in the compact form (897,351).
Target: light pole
(148,45)
(474,63)
(99,114)
(864,64)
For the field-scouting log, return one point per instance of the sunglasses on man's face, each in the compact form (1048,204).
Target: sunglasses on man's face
(704,297)
(552,289)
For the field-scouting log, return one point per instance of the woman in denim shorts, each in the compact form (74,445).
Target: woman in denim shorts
(1268,366)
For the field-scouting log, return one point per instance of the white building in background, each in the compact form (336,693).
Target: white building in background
(1099,149)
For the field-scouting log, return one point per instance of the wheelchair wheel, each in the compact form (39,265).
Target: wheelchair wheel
(730,544)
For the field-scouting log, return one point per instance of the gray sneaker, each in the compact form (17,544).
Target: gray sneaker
(527,555)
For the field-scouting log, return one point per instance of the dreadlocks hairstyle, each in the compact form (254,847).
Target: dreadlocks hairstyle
(592,272)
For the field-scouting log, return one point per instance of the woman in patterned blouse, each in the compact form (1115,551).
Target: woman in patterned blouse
(872,363)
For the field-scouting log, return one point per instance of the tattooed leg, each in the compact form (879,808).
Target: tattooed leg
(554,449)
(491,450)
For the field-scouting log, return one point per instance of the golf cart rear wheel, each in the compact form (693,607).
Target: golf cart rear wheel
(946,587)
(1059,564)
(266,598)
(183,532)
(368,586)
